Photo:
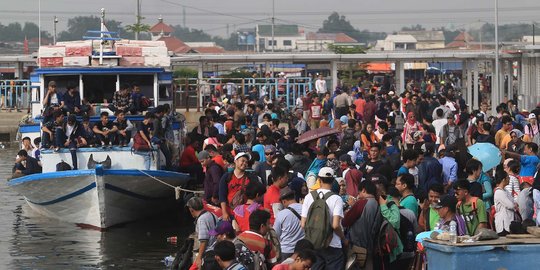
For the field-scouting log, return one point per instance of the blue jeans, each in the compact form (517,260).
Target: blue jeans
(329,258)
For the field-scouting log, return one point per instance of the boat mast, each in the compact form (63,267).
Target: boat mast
(101,36)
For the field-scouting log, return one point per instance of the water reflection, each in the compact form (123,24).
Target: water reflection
(31,241)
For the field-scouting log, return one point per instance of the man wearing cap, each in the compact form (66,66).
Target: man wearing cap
(213,172)
(232,185)
(331,257)
(223,231)
(204,223)
(51,102)
(450,133)
(446,208)
(287,223)
(265,168)
(471,208)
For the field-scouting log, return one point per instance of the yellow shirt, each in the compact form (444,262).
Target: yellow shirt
(499,136)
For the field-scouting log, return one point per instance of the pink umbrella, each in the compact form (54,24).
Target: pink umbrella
(315,134)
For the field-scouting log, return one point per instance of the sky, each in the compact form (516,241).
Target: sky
(216,16)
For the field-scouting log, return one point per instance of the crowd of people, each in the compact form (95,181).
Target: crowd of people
(395,165)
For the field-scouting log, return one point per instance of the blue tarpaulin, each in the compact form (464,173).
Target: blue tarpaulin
(446,66)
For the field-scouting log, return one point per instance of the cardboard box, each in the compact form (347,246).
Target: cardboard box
(128,51)
(132,61)
(106,62)
(51,61)
(154,51)
(157,61)
(52,51)
(78,50)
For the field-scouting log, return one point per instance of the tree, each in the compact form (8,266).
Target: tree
(417,27)
(138,27)
(78,26)
(339,24)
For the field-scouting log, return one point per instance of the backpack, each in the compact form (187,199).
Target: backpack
(347,142)
(407,233)
(387,239)
(318,228)
(63,166)
(209,261)
(399,120)
(251,259)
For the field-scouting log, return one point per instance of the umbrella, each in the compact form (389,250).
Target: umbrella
(315,134)
(487,153)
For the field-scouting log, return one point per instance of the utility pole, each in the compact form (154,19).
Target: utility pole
(273,23)
(184,16)
(138,20)
(227,30)
(496,86)
(54,29)
(533,35)
(39,23)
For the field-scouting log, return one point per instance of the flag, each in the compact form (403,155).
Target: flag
(26,50)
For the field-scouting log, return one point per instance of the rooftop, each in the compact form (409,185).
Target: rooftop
(279,30)
(425,35)
(161,27)
(336,37)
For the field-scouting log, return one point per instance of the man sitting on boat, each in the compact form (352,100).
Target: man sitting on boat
(123,135)
(139,102)
(72,102)
(51,103)
(51,128)
(86,131)
(121,100)
(25,165)
(105,130)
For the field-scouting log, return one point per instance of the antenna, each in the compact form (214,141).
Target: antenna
(102,29)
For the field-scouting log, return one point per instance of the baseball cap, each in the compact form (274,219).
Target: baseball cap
(284,192)
(242,154)
(222,227)
(203,155)
(446,201)
(391,93)
(270,149)
(326,172)
(532,116)
(52,83)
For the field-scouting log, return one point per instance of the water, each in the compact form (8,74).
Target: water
(31,241)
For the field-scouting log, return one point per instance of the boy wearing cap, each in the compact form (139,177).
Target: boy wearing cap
(446,208)
(213,173)
(450,133)
(471,208)
(287,223)
(331,257)
(265,168)
(533,127)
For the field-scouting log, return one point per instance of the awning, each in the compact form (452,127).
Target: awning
(378,67)
(446,66)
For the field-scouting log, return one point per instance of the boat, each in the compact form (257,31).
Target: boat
(113,185)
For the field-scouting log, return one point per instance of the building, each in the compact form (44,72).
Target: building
(319,42)
(427,40)
(396,43)
(160,30)
(463,41)
(531,40)
(204,47)
(285,37)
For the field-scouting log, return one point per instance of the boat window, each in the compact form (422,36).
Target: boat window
(145,82)
(62,82)
(99,88)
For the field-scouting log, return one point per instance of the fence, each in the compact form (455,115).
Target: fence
(15,94)
(193,93)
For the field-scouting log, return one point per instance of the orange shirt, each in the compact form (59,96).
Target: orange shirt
(365,142)
(360,103)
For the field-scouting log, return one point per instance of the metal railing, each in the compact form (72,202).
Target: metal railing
(15,94)
(193,93)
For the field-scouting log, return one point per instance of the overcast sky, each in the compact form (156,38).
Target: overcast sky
(213,15)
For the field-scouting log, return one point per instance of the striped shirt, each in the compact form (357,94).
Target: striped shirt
(257,243)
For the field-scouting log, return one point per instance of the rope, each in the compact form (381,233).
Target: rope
(177,190)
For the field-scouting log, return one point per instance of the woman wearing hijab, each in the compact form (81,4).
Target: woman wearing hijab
(516,144)
(411,129)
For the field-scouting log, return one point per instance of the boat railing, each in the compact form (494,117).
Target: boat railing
(193,93)
(15,94)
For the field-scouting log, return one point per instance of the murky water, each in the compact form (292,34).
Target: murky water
(31,241)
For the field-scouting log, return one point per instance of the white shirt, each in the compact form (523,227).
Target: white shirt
(69,130)
(320,86)
(335,204)
(504,210)
(54,99)
(438,124)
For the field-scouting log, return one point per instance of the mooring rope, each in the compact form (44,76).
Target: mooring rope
(177,190)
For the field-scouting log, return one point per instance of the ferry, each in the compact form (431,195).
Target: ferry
(102,194)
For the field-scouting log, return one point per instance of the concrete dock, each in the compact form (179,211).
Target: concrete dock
(9,124)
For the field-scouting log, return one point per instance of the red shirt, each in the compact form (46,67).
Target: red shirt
(188,157)
(219,161)
(242,213)
(271,197)
(360,103)
(256,242)
(235,185)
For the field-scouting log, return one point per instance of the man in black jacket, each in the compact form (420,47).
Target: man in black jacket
(31,166)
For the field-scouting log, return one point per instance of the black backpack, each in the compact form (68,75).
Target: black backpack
(347,143)
(209,261)
(407,234)
(63,166)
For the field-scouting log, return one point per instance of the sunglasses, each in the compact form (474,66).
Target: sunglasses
(268,154)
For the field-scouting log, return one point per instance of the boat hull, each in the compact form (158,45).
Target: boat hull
(99,198)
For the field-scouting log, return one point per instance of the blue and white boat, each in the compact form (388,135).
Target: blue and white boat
(102,196)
